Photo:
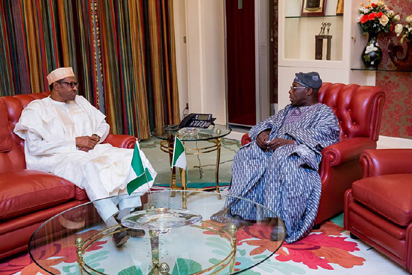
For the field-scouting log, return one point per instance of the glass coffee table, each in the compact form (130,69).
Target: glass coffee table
(213,133)
(180,238)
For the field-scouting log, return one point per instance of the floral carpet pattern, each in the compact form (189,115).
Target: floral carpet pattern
(51,257)
(329,249)
(322,249)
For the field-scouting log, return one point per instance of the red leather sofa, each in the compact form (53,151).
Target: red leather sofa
(359,111)
(378,208)
(29,197)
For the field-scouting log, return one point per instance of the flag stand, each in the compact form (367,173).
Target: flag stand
(184,193)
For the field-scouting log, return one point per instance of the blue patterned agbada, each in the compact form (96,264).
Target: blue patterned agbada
(285,180)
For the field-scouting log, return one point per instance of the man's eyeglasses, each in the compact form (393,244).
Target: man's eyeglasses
(72,84)
(292,88)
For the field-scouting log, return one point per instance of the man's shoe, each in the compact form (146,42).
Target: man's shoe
(135,233)
(277,234)
(120,238)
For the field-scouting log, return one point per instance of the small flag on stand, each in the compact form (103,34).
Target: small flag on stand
(145,173)
(179,155)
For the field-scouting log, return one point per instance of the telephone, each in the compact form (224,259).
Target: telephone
(197,120)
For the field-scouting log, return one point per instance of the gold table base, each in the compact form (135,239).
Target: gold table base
(157,267)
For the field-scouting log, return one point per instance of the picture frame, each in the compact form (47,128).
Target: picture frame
(339,7)
(313,7)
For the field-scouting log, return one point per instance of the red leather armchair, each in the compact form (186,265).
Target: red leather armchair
(29,197)
(359,111)
(378,208)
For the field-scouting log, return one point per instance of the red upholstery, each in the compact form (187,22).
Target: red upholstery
(378,208)
(387,195)
(31,191)
(359,111)
(28,197)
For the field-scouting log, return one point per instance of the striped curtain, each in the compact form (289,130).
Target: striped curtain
(122,51)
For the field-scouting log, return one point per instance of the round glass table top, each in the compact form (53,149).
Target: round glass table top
(193,134)
(176,235)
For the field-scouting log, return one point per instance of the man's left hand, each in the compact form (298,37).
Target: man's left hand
(277,142)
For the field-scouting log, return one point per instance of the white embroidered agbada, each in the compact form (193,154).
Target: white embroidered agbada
(49,129)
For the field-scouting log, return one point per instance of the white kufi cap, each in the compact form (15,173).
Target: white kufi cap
(59,73)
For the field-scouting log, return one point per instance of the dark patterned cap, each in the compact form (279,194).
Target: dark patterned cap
(310,80)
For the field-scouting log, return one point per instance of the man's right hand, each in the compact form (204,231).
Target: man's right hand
(86,143)
(262,140)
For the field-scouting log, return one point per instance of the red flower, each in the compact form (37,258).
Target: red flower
(374,5)
(372,16)
(364,19)
(380,14)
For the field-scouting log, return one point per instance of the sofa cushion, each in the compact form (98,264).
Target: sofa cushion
(26,191)
(388,195)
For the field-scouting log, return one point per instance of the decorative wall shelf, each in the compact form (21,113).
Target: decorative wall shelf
(298,16)
(382,70)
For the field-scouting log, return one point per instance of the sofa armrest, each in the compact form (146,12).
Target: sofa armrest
(346,150)
(121,141)
(386,161)
(245,139)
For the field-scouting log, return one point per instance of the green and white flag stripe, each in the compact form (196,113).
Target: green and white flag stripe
(179,155)
(141,171)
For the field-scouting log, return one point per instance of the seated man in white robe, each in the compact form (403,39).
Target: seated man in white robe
(63,135)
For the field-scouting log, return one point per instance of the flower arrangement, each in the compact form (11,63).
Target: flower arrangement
(377,17)
(405,30)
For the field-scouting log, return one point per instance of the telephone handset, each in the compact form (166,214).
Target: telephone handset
(197,120)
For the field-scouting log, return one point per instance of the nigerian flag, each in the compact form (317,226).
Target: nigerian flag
(141,172)
(179,155)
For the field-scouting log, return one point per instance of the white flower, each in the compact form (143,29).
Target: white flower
(370,48)
(409,19)
(391,13)
(398,29)
(397,17)
(384,20)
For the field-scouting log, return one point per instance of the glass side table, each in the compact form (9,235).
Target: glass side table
(214,133)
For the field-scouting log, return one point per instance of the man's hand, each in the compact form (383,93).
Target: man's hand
(95,137)
(86,143)
(262,140)
(277,142)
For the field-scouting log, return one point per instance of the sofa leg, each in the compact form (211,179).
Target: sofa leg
(316,226)
(354,237)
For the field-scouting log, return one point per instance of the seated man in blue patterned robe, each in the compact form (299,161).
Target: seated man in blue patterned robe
(279,168)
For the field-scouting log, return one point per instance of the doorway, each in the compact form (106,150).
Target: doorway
(251,60)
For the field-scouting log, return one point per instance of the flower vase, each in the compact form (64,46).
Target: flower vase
(372,53)
(402,62)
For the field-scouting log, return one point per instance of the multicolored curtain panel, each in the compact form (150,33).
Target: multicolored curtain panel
(122,51)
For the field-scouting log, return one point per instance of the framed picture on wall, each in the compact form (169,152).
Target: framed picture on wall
(313,7)
(339,7)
